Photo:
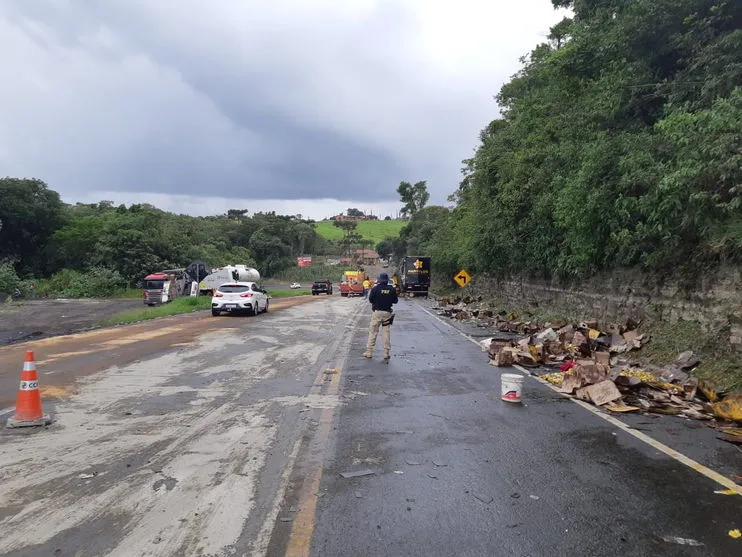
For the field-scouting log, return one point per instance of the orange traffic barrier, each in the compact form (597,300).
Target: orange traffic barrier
(28,404)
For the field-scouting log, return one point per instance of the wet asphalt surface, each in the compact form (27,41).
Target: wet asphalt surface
(178,444)
(197,442)
(458,472)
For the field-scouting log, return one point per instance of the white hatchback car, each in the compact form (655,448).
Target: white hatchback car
(236,297)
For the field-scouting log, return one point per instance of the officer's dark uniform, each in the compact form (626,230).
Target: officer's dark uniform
(382,297)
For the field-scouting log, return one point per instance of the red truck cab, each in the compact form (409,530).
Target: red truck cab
(157,288)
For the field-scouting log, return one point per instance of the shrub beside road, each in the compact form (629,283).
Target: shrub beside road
(177,306)
(183,305)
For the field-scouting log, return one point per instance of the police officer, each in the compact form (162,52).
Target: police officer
(382,297)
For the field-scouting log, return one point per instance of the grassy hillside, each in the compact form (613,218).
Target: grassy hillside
(375,230)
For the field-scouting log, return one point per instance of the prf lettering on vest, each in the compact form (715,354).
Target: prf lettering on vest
(386,291)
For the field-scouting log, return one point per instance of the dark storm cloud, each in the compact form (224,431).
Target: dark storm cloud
(251,100)
(284,160)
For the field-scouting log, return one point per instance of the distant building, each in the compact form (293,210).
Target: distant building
(342,217)
(367,256)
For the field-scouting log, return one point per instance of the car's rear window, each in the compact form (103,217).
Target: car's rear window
(229,288)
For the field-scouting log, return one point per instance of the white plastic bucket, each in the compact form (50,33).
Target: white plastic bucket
(511,387)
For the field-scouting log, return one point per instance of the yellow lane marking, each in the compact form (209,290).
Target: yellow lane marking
(300,539)
(63,355)
(302,530)
(672,453)
(108,344)
(87,335)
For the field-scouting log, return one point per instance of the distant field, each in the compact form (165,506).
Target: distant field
(374,230)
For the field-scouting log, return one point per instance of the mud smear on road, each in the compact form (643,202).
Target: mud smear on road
(166,456)
(62,359)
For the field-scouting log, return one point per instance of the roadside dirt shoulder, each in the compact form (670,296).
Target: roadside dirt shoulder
(34,319)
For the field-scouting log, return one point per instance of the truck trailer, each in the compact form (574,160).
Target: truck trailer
(230,273)
(415,275)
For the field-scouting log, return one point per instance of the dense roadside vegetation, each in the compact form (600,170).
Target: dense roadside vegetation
(307,275)
(619,145)
(89,249)
(100,249)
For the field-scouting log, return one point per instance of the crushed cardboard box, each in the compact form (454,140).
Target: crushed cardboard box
(593,363)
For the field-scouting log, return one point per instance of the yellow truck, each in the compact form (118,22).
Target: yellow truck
(352,283)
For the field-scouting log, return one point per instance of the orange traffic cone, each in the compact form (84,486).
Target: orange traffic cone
(28,404)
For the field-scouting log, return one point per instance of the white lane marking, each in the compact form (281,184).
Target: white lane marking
(672,453)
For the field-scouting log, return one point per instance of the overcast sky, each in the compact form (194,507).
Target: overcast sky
(298,106)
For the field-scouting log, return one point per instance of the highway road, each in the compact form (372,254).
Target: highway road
(272,435)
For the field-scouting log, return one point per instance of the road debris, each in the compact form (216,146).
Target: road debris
(736,534)
(486,499)
(357,473)
(624,388)
(730,435)
(681,541)
(593,364)
(726,492)
(730,408)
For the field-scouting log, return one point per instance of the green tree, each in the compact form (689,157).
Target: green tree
(30,213)
(618,145)
(413,196)
(9,280)
(417,235)
(73,246)
(347,226)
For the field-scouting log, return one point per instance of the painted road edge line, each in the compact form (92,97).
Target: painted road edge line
(672,453)
(299,543)
(652,442)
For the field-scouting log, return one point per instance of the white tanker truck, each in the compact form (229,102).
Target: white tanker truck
(230,273)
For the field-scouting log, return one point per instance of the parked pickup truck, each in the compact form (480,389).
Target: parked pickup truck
(322,286)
